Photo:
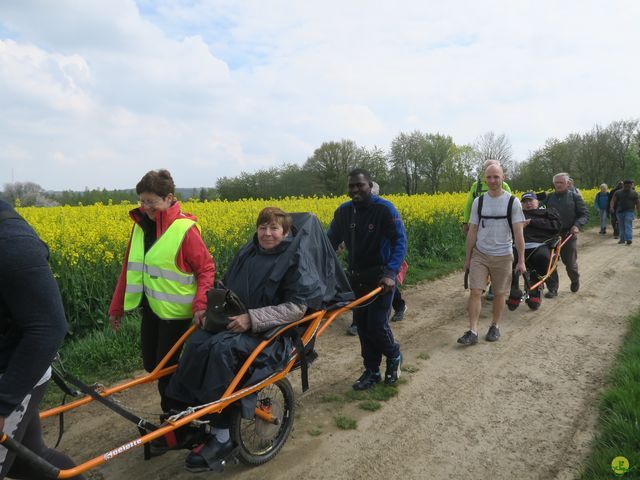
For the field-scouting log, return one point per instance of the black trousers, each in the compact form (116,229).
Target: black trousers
(536,260)
(157,336)
(23,424)
(569,256)
(376,338)
(398,302)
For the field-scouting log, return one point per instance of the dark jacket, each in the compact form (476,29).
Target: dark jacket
(380,239)
(571,207)
(612,193)
(32,321)
(545,224)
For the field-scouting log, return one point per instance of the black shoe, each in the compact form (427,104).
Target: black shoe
(210,456)
(469,338)
(398,315)
(392,373)
(575,286)
(367,380)
(551,294)
(185,437)
(534,302)
(493,334)
(515,297)
(628,242)
(620,242)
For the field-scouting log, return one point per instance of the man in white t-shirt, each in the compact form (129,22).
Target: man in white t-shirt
(490,251)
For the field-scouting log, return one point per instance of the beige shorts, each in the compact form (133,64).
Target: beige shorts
(498,268)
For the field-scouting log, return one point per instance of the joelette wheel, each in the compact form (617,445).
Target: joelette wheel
(259,440)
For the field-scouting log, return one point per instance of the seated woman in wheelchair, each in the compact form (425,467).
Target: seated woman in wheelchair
(287,268)
(542,227)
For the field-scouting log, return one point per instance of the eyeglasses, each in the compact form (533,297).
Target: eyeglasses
(150,203)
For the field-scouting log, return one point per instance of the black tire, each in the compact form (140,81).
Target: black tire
(258,441)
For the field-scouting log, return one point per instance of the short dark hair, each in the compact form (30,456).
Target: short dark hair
(158,182)
(628,182)
(275,214)
(360,171)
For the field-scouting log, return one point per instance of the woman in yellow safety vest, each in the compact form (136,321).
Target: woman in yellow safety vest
(167,271)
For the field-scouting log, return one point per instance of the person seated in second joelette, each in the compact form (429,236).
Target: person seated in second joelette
(540,228)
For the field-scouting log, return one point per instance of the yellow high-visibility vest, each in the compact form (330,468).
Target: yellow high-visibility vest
(170,292)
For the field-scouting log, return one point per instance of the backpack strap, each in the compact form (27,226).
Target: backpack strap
(508,216)
(509,210)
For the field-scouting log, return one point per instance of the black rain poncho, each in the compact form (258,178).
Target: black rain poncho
(302,269)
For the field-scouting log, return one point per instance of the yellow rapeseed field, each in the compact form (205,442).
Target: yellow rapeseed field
(87,243)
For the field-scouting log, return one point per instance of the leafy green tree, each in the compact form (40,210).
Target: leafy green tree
(374,160)
(330,164)
(407,159)
(457,171)
(437,151)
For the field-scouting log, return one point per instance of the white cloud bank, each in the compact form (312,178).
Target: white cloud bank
(96,93)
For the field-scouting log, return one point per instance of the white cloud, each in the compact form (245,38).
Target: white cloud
(209,88)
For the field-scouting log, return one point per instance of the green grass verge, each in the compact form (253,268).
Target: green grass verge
(425,269)
(102,356)
(619,423)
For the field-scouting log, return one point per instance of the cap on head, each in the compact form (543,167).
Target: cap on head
(529,196)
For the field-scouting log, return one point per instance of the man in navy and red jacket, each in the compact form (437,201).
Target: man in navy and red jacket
(376,244)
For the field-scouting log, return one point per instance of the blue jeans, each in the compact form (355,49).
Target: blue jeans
(625,222)
(604,216)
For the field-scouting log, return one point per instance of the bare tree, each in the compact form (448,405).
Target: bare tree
(27,194)
(490,146)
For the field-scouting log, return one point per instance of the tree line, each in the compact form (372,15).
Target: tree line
(602,155)
(416,162)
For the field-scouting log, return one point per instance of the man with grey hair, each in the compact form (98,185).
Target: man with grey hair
(573,214)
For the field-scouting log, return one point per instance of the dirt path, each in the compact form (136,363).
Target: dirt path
(523,407)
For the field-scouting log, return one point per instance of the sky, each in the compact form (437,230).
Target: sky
(95,93)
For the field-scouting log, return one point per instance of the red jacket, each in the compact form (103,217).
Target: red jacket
(193,257)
